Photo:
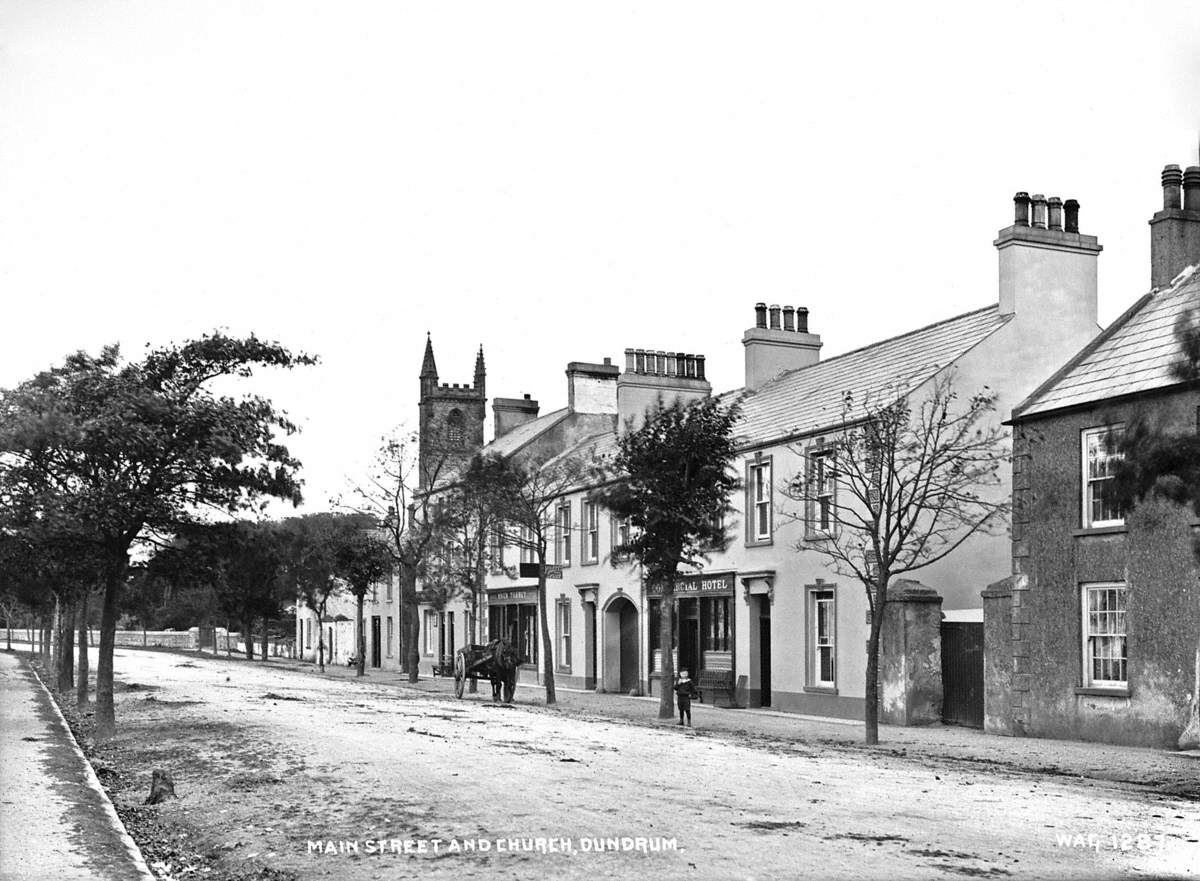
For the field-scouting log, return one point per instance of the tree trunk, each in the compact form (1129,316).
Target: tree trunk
(871,714)
(248,637)
(265,639)
(56,645)
(81,676)
(106,722)
(321,639)
(547,642)
(408,592)
(666,641)
(360,648)
(66,651)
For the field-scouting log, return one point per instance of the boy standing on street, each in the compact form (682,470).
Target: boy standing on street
(685,690)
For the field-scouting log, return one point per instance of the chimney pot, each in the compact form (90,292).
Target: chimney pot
(801,319)
(1021,209)
(629,362)
(774,310)
(1039,211)
(608,362)
(639,356)
(760,314)
(1055,211)
(526,396)
(699,367)
(1191,188)
(1071,216)
(1172,180)
(788,318)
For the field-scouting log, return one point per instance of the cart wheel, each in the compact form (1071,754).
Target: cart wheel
(460,675)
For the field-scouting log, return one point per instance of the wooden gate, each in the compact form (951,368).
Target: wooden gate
(962,673)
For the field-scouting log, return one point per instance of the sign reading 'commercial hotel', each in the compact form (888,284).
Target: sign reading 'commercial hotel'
(697,584)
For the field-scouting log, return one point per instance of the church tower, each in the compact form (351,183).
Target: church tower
(451,418)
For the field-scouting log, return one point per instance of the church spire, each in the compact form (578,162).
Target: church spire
(480,373)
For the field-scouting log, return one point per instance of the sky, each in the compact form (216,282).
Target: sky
(553,181)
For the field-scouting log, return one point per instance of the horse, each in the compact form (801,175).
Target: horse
(499,664)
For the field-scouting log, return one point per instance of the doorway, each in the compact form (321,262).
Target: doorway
(376,641)
(764,655)
(620,646)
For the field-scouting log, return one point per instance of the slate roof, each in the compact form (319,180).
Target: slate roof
(509,443)
(1134,354)
(810,399)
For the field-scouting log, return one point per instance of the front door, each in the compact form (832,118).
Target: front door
(376,641)
(764,656)
(450,633)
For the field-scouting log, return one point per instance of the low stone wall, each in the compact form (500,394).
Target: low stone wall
(174,639)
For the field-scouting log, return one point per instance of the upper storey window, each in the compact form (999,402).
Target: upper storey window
(1100,506)
(456,434)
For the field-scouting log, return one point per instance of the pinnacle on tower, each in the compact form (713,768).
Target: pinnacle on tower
(480,373)
(428,366)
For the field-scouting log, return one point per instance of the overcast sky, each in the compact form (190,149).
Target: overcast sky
(555,181)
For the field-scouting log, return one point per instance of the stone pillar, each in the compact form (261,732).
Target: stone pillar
(998,657)
(910,656)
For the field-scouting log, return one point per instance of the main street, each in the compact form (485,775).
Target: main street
(279,767)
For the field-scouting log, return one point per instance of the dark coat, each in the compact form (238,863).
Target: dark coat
(685,690)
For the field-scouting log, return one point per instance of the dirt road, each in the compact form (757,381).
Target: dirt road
(295,772)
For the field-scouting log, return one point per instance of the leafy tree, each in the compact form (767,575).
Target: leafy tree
(672,478)
(311,570)
(132,450)
(1161,462)
(914,480)
(362,560)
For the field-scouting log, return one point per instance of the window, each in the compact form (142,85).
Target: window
(822,638)
(621,533)
(822,492)
(431,632)
(562,535)
(758,502)
(455,433)
(391,635)
(714,617)
(389,588)
(562,619)
(1100,508)
(308,634)
(591,533)
(1104,646)
(496,549)
(528,549)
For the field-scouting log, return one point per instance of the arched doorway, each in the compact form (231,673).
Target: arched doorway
(620,645)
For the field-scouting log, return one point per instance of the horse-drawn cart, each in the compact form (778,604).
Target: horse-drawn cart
(497,662)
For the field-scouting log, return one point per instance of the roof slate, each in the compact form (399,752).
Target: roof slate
(1133,355)
(811,398)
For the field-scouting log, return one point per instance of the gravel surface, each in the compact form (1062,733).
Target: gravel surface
(283,773)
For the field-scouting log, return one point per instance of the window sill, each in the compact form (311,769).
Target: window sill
(818,536)
(819,689)
(590,563)
(566,670)
(1116,529)
(1102,692)
(760,543)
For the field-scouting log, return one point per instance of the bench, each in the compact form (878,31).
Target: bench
(445,668)
(714,681)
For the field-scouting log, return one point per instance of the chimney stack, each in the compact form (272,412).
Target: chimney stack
(667,377)
(780,346)
(509,413)
(1175,230)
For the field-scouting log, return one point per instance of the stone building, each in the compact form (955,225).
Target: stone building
(1093,636)
(776,622)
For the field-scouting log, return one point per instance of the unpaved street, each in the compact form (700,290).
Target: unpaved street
(268,762)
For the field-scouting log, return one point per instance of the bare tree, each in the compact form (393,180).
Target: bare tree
(398,492)
(900,485)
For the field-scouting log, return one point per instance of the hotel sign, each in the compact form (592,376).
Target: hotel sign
(697,585)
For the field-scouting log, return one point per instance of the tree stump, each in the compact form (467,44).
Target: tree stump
(162,787)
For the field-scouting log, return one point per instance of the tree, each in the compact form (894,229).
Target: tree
(310,570)
(362,560)
(525,496)
(399,493)
(1159,462)
(133,450)
(912,480)
(672,478)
